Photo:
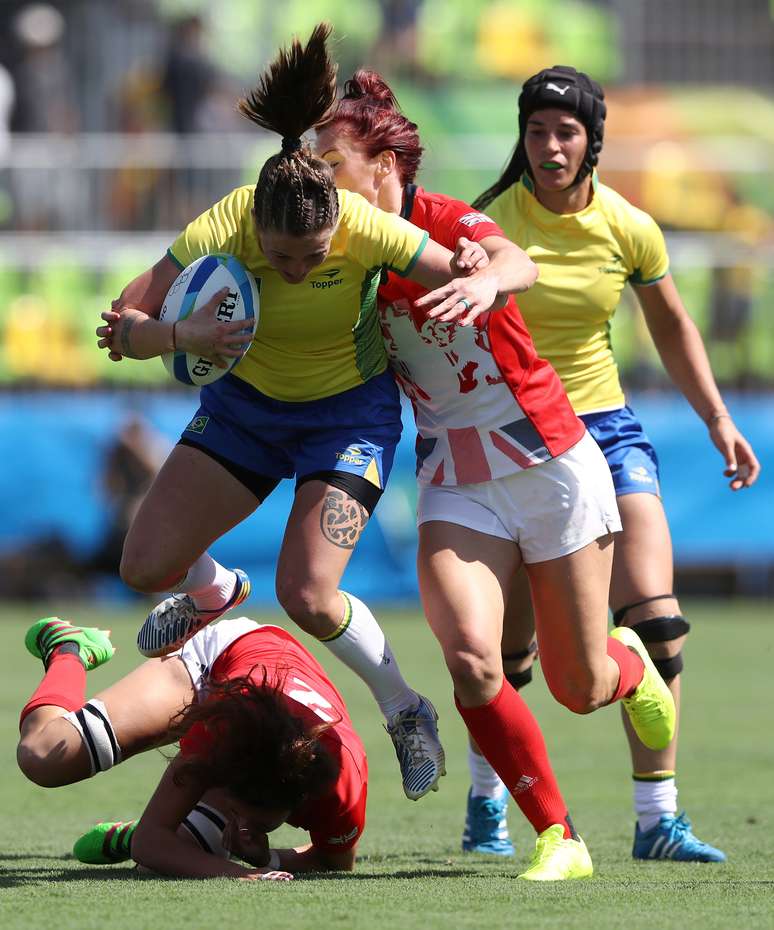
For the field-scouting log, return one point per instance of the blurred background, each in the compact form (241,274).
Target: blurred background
(118,126)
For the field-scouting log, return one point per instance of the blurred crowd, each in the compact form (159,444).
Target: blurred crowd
(139,95)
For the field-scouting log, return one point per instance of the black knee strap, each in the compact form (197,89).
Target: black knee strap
(662,629)
(618,615)
(669,668)
(519,679)
(522,654)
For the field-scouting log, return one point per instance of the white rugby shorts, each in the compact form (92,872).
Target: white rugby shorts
(201,651)
(549,510)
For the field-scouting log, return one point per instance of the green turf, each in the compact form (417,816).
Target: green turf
(410,873)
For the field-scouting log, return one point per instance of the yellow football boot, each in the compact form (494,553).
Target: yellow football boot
(557,859)
(651,708)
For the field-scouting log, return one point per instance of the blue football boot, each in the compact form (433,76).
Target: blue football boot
(672,838)
(486,829)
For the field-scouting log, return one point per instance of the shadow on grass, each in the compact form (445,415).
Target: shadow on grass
(17,878)
(370,876)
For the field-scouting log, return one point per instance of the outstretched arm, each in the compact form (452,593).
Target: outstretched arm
(487,273)
(157,845)
(682,351)
(311,858)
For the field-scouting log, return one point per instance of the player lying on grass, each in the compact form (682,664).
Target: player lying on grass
(265,739)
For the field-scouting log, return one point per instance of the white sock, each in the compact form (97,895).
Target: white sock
(208,582)
(362,646)
(484,781)
(652,799)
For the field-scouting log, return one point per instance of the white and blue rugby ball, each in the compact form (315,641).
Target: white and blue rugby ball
(191,290)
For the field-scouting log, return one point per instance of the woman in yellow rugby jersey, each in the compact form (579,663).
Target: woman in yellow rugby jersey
(312,398)
(588,242)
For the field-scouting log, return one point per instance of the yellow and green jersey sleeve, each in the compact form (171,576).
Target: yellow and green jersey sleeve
(322,336)
(584,259)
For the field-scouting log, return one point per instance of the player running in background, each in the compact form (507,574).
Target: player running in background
(588,242)
(312,398)
(265,739)
(507,475)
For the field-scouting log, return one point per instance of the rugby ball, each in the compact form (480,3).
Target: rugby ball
(192,289)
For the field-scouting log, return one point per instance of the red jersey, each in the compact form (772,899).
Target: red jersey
(336,820)
(484,401)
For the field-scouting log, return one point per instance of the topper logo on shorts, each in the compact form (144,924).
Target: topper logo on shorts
(352,455)
(332,279)
(640,473)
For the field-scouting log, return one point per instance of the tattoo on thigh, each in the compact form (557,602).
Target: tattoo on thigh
(126,328)
(342,519)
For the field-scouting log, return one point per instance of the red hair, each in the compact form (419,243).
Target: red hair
(369,114)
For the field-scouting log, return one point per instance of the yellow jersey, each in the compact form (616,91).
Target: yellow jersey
(322,336)
(585,259)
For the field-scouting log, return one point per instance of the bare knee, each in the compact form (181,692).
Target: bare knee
(476,672)
(143,571)
(310,605)
(37,765)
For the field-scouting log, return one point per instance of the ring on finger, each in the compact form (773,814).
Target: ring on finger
(465,302)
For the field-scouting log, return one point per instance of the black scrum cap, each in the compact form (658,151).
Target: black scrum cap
(567,89)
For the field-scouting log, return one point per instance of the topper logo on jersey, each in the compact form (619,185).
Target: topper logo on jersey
(332,279)
(560,90)
(615,266)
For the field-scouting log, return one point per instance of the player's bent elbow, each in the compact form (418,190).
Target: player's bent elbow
(337,862)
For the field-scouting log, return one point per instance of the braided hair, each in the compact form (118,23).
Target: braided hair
(295,193)
(564,88)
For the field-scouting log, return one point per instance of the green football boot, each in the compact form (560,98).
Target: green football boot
(106,843)
(94,646)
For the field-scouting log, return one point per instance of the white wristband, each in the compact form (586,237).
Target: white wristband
(274,860)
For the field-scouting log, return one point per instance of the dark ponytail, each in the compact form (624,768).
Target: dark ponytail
(511,174)
(295,193)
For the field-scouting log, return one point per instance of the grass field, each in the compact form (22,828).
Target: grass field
(410,872)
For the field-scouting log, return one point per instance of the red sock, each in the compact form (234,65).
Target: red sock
(510,739)
(63,685)
(630,666)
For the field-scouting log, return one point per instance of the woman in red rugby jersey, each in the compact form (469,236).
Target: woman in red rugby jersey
(265,739)
(507,476)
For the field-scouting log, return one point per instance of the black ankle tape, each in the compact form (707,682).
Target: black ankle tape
(67,648)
